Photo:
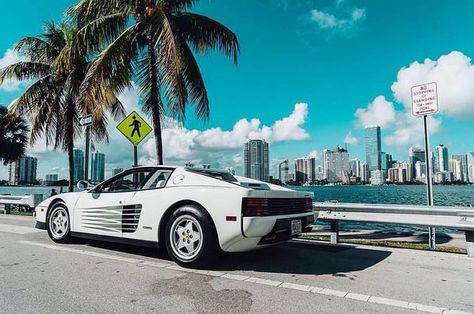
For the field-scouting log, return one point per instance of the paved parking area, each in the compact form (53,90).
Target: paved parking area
(39,276)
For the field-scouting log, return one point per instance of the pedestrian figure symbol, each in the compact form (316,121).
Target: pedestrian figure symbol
(136,126)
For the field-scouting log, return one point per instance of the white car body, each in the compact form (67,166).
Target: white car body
(101,215)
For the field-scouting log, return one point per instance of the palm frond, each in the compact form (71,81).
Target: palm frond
(103,30)
(169,61)
(204,33)
(194,82)
(88,10)
(24,70)
(37,50)
(112,69)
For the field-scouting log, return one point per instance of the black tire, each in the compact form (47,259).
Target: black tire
(62,234)
(206,252)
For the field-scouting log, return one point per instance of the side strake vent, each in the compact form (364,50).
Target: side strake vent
(275,206)
(130,218)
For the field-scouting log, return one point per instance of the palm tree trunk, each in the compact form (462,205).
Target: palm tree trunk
(155,102)
(70,142)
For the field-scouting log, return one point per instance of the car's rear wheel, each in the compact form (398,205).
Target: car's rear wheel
(58,223)
(190,237)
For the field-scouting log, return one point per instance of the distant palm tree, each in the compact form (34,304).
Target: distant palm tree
(13,136)
(153,40)
(52,102)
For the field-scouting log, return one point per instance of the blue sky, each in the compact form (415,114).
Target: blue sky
(346,63)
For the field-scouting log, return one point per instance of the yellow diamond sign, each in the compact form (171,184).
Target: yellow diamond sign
(134,127)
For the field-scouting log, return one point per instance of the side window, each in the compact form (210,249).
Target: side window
(158,179)
(128,182)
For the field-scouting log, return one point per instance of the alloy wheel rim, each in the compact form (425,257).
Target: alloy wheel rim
(186,237)
(59,223)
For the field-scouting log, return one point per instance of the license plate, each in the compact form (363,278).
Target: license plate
(296,227)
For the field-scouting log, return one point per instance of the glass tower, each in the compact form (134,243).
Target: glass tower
(256,162)
(442,158)
(98,167)
(78,156)
(373,147)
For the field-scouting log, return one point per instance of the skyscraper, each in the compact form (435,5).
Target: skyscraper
(415,155)
(364,173)
(283,172)
(385,162)
(470,166)
(78,156)
(97,167)
(336,165)
(373,147)
(464,167)
(354,166)
(442,158)
(256,160)
(23,171)
(305,170)
(454,167)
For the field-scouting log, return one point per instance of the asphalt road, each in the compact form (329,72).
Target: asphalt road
(39,276)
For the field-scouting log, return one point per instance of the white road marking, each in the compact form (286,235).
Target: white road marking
(17,229)
(261,281)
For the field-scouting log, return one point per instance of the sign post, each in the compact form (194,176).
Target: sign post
(135,129)
(424,101)
(86,121)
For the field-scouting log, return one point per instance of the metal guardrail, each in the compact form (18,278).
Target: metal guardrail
(460,218)
(28,201)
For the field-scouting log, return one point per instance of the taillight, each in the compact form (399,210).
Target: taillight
(255,207)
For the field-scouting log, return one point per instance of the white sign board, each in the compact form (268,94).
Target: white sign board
(424,99)
(85,120)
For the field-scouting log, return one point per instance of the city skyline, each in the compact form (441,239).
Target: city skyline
(327,89)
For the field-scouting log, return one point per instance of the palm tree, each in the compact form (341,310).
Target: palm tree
(13,136)
(52,102)
(152,41)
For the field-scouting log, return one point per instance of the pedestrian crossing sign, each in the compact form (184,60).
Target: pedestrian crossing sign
(134,128)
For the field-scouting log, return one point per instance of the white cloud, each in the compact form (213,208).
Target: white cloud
(343,18)
(10,57)
(314,154)
(409,130)
(380,112)
(454,74)
(351,139)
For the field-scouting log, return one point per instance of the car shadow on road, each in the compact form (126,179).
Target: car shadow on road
(304,258)
(292,258)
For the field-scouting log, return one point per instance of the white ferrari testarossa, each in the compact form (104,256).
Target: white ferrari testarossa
(195,213)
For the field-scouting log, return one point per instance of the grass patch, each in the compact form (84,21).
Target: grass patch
(387,243)
(19,213)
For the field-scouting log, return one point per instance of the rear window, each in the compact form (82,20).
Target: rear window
(220,175)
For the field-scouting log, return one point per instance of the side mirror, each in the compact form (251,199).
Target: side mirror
(84,185)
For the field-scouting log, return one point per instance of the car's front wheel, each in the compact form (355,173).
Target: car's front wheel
(190,237)
(59,229)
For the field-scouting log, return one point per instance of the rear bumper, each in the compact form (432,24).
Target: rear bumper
(282,230)
(262,226)
(261,232)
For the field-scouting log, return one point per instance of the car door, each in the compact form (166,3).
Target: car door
(152,202)
(107,210)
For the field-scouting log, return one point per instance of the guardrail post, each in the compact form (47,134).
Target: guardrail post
(7,209)
(334,232)
(470,243)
